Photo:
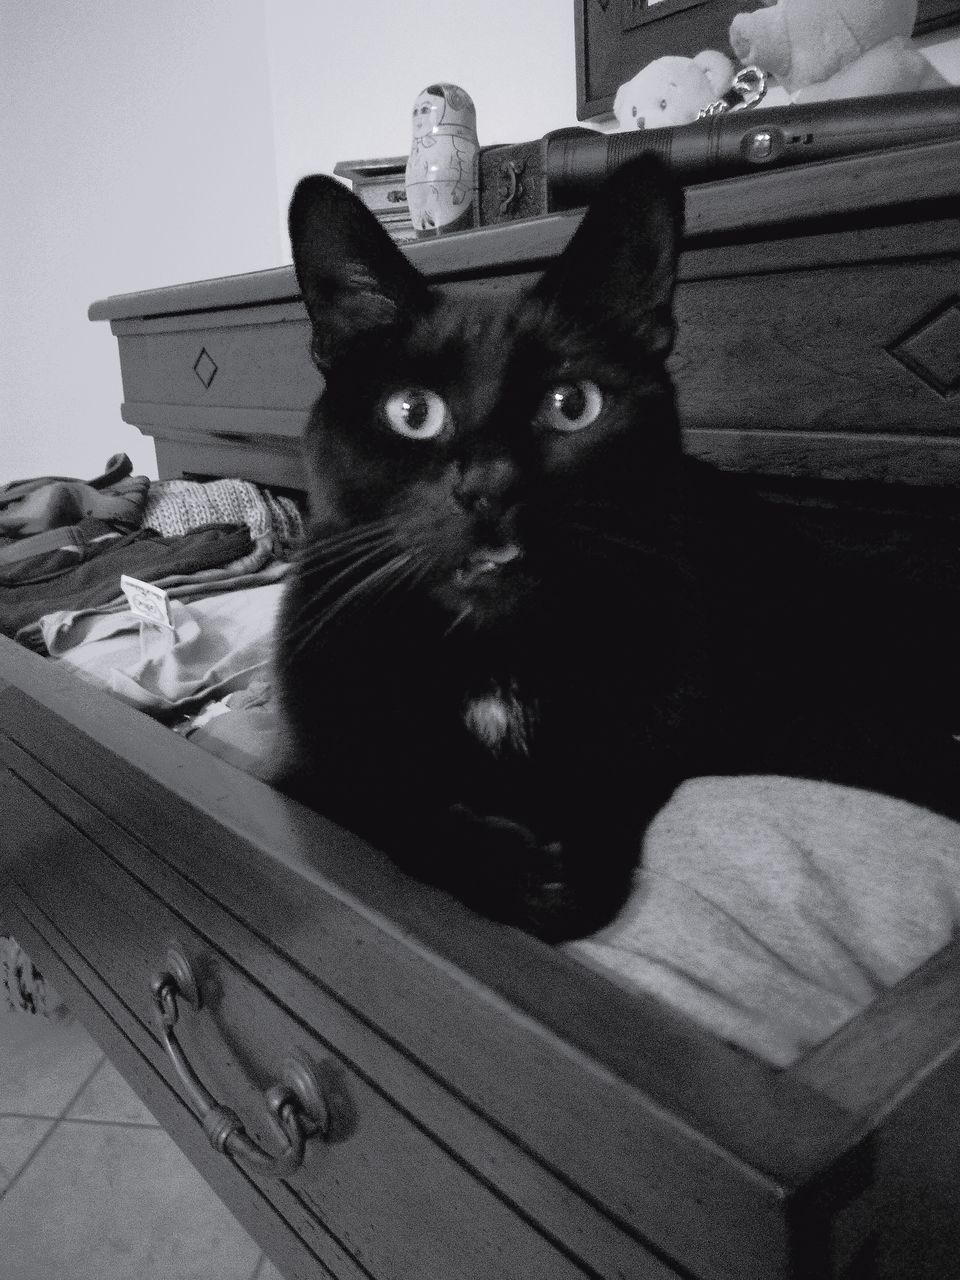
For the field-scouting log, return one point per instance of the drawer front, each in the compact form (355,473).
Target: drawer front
(253,358)
(455,1023)
(862,347)
(386,197)
(381,1190)
(847,364)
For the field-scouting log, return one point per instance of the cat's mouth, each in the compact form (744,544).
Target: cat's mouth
(485,564)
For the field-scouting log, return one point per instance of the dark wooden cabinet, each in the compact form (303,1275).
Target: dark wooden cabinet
(819,329)
(501,1110)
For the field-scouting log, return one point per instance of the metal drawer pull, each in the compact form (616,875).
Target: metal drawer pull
(296,1104)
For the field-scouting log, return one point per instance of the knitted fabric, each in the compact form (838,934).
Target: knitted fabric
(22,986)
(175,507)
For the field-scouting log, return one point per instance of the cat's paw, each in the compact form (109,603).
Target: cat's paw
(505,871)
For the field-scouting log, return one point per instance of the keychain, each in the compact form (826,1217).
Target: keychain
(747,89)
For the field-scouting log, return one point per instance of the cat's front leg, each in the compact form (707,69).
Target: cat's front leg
(554,889)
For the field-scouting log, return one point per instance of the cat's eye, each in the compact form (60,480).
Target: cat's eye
(415,413)
(571,406)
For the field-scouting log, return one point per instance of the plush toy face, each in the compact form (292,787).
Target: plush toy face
(667,91)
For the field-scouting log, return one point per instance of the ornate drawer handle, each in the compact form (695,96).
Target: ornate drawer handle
(296,1104)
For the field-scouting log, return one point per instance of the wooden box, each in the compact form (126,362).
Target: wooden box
(501,1110)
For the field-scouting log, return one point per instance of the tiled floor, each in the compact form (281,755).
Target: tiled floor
(90,1187)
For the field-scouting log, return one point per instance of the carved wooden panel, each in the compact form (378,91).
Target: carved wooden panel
(205,367)
(931,349)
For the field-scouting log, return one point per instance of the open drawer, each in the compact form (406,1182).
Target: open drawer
(495,1108)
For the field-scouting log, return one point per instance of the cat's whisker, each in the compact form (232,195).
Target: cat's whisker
(422,570)
(320,555)
(406,578)
(347,557)
(618,540)
(320,542)
(354,532)
(359,557)
(365,586)
(347,530)
(601,542)
(319,539)
(364,589)
(462,616)
(604,535)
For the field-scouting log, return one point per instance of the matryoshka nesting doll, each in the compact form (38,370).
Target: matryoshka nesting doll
(441,174)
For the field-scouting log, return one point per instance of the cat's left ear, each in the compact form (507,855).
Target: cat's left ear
(352,276)
(620,266)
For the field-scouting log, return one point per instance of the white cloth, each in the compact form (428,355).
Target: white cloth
(771,910)
(219,643)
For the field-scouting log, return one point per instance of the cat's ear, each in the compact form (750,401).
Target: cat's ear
(620,266)
(351,274)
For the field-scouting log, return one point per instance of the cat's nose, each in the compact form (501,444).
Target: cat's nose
(482,486)
(478,503)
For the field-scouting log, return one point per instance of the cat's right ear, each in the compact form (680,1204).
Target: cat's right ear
(352,276)
(620,266)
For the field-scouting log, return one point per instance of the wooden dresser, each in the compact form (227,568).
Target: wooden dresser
(487,1108)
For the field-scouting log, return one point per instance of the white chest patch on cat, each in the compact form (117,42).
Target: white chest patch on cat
(500,720)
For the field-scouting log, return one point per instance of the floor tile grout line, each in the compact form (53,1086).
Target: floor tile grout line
(47,1136)
(29,1161)
(100,1065)
(112,1124)
(27,1115)
(113,1120)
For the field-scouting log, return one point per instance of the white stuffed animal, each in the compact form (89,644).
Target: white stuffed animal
(673,90)
(835,48)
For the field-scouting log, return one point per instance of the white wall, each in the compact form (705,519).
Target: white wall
(149,142)
(136,149)
(344,76)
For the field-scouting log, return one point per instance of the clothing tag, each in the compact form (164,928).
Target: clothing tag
(147,601)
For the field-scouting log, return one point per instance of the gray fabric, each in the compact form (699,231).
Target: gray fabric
(218,643)
(241,728)
(257,567)
(177,506)
(772,910)
(22,986)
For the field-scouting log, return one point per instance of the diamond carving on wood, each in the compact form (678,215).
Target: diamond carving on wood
(205,367)
(931,350)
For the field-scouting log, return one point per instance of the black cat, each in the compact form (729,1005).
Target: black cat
(523,615)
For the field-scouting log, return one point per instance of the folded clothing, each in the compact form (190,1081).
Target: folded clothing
(217,644)
(30,507)
(255,568)
(772,910)
(144,554)
(48,555)
(177,506)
